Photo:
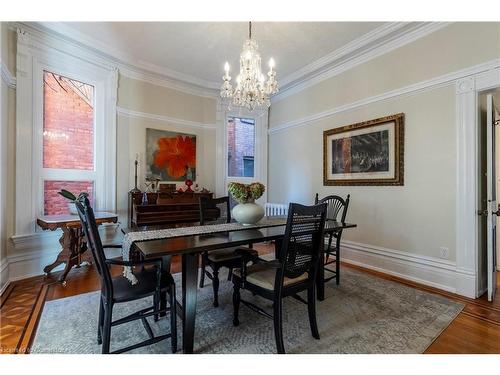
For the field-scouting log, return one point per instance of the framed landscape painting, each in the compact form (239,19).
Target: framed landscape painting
(170,155)
(367,153)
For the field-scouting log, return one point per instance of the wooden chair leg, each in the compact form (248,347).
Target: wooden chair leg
(202,268)
(99,323)
(311,309)
(163,303)
(215,283)
(337,266)
(278,328)
(173,319)
(106,334)
(328,248)
(236,304)
(156,304)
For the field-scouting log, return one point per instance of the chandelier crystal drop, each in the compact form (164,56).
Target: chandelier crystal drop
(252,89)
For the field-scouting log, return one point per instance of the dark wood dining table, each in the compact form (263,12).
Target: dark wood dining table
(190,247)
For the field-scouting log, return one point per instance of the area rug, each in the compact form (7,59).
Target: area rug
(364,314)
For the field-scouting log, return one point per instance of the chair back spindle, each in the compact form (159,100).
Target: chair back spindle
(302,242)
(337,206)
(91,231)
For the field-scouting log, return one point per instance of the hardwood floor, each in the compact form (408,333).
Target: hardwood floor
(475,330)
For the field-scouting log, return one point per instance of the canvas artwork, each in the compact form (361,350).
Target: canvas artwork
(367,153)
(170,155)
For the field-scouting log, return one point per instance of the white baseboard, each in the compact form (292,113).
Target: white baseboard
(4,275)
(4,287)
(31,253)
(434,272)
(30,263)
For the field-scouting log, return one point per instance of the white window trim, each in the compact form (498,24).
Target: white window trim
(35,54)
(260,157)
(242,114)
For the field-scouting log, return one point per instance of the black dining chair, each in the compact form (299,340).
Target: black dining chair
(337,209)
(152,282)
(216,211)
(293,271)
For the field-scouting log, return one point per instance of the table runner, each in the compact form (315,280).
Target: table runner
(161,234)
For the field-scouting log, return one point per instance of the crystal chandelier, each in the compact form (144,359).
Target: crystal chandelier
(252,90)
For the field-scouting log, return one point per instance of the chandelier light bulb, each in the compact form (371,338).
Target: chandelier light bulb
(271,63)
(226,67)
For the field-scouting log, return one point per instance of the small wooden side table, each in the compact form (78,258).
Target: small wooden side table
(73,243)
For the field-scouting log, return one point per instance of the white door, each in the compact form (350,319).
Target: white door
(492,206)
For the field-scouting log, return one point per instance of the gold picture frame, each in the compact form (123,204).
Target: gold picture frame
(366,153)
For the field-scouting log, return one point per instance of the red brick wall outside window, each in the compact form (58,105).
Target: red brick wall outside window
(68,137)
(240,145)
(54,204)
(68,123)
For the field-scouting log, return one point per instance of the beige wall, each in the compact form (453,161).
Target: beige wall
(7,125)
(416,218)
(146,97)
(452,48)
(131,132)
(8,48)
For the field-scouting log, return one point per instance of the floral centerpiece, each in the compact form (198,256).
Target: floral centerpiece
(247,212)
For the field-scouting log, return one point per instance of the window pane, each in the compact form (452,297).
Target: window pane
(54,204)
(241,147)
(248,166)
(68,123)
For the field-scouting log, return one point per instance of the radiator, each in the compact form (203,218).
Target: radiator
(276,209)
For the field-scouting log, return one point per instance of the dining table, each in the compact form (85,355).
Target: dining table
(189,247)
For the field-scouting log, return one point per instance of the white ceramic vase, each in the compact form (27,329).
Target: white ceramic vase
(248,213)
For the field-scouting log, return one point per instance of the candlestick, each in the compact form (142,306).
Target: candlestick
(136,163)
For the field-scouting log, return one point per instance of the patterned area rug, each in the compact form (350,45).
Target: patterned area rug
(365,314)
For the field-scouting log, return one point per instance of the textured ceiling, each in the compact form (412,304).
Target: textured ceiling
(199,49)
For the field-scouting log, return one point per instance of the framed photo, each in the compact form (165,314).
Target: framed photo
(170,155)
(367,153)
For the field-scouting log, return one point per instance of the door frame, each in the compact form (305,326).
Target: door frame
(468,161)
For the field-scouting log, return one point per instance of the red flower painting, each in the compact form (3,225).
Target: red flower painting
(175,155)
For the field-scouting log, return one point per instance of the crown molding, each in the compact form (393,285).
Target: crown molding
(433,83)
(382,40)
(163,81)
(171,120)
(127,65)
(7,76)
(356,45)
(369,46)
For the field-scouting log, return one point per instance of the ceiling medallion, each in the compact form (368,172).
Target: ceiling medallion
(252,90)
